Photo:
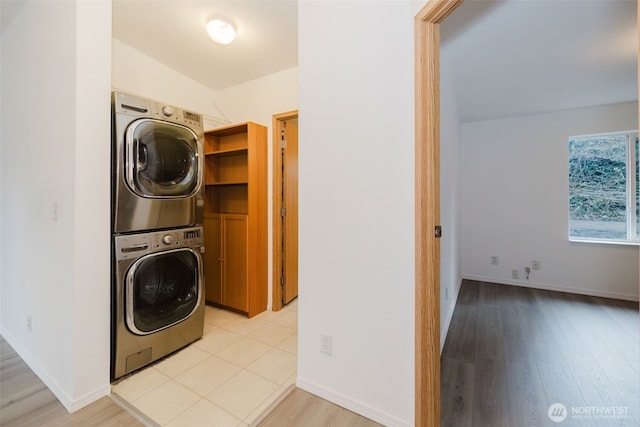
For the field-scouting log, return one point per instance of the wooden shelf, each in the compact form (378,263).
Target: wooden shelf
(235,212)
(229,152)
(229,168)
(228,138)
(227,183)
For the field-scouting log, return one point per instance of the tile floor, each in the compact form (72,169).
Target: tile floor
(227,378)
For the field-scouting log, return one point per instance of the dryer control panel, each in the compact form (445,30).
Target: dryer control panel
(125,103)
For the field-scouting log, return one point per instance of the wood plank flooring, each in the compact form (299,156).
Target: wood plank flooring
(301,408)
(26,401)
(511,352)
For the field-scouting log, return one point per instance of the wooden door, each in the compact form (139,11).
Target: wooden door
(235,289)
(285,208)
(290,205)
(213,258)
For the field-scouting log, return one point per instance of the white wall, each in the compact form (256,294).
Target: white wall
(2,206)
(138,73)
(258,100)
(356,230)
(450,247)
(55,198)
(515,204)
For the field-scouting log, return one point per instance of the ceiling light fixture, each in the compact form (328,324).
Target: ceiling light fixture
(221,30)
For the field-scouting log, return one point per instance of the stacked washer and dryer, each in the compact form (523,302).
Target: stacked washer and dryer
(157,200)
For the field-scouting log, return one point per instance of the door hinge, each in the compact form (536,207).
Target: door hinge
(438,232)
(281,280)
(283,212)
(283,143)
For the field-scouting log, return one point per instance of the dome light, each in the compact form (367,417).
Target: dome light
(221,30)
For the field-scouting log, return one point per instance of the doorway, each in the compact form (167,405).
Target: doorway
(427,251)
(285,209)
(427,215)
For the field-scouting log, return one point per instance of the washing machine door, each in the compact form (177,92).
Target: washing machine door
(162,289)
(162,159)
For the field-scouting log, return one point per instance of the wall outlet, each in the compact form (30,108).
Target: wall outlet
(495,260)
(515,274)
(29,322)
(326,344)
(535,265)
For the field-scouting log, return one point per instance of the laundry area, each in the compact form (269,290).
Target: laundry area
(194,339)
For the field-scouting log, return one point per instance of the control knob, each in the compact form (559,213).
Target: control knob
(167,239)
(167,111)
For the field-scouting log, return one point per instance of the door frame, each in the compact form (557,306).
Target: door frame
(277,121)
(427,206)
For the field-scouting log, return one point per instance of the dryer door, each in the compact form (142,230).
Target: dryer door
(162,289)
(162,159)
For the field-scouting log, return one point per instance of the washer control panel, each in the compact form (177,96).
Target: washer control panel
(129,246)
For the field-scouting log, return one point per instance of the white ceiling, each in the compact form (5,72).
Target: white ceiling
(521,57)
(505,58)
(173,32)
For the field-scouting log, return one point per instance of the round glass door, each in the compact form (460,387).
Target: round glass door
(162,159)
(162,290)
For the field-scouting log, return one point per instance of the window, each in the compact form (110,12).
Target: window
(604,189)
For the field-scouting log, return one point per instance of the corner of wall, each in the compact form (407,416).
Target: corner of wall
(450,308)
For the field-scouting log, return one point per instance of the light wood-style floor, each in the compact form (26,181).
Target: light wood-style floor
(511,352)
(300,408)
(26,401)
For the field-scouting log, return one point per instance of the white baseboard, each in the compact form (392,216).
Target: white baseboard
(548,287)
(444,328)
(89,398)
(351,404)
(69,403)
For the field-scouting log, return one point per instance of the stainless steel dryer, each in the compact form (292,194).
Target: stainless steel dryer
(157,165)
(158,296)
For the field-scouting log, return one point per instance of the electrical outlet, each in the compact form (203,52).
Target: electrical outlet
(29,322)
(515,274)
(495,260)
(326,344)
(535,265)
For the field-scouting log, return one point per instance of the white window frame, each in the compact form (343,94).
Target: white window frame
(631,215)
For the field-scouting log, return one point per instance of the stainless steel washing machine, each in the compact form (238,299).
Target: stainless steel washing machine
(158,296)
(157,154)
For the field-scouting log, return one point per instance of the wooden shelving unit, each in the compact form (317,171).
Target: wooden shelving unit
(235,217)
